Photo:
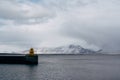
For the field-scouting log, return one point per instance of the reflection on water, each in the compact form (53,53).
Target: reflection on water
(31,72)
(68,67)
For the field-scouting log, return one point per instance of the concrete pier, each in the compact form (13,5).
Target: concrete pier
(18,59)
(30,58)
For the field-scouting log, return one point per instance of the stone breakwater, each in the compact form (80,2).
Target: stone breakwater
(18,59)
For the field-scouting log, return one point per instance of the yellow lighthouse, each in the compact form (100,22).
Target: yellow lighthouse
(31,52)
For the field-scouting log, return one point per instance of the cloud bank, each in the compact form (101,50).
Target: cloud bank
(93,24)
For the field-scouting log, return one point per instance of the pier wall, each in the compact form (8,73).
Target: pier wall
(18,59)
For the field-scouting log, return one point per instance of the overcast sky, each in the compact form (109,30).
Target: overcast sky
(93,24)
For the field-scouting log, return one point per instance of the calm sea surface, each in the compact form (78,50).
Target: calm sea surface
(65,67)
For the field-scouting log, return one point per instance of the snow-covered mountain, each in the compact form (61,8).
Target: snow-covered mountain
(70,49)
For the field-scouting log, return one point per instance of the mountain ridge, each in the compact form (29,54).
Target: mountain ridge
(69,49)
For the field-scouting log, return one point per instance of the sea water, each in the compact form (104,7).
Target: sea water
(65,67)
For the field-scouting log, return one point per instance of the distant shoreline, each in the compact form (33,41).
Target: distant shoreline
(55,54)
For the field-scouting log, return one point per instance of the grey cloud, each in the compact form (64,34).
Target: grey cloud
(50,22)
(19,36)
(101,30)
(96,23)
(23,12)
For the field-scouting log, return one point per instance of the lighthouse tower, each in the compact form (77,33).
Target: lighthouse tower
(32,58)
(31,52)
